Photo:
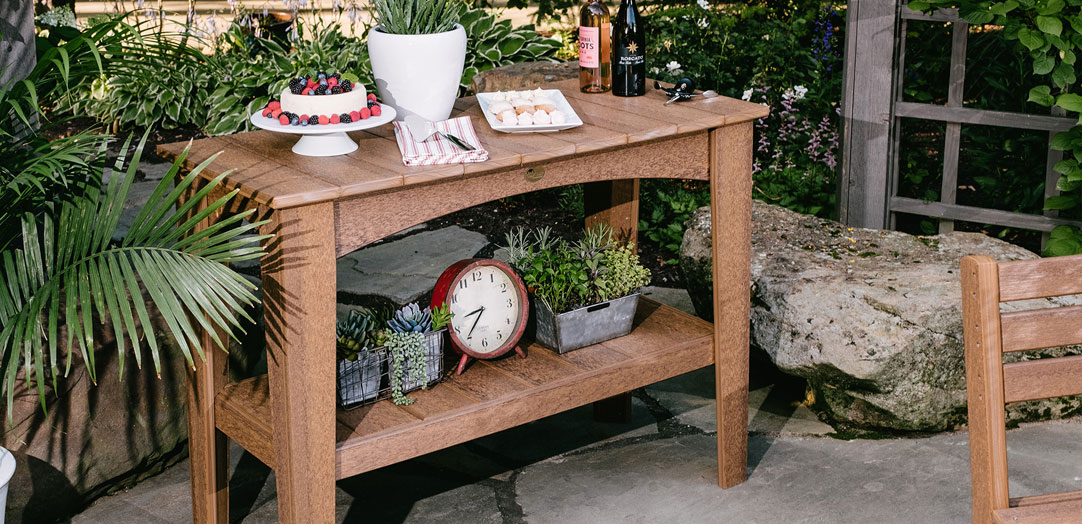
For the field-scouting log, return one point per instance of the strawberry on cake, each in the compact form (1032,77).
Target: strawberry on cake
(323,99)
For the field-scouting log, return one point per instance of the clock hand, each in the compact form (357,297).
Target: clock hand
(479,311)
(474,312)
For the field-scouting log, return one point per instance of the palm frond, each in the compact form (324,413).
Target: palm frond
(68,271)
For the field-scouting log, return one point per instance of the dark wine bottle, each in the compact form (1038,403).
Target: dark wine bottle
(628,51)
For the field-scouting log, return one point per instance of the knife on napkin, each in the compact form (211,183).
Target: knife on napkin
(422,129)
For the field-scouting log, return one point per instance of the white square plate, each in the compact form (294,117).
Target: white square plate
(573,120)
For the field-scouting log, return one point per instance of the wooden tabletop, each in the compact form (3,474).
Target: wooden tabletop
(267,171)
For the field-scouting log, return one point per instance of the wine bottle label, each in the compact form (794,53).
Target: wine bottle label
(631,55)
(589,46)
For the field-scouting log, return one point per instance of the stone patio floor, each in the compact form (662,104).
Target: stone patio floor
(660,467)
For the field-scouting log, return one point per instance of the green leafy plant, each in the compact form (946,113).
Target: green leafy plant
(666,206)
(441,316)
(1049,34)
(152,77)
(568,275)
(69,272)
(417,17)
(407,348)
(493,43)
(175,85)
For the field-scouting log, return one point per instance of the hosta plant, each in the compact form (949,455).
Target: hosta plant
(493,43)
(67,271)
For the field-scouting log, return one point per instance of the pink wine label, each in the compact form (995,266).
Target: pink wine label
(589,46)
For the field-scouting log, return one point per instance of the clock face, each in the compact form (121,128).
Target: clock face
(487,307)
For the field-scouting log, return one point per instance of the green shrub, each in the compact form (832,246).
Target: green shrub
(785,55)
(493,43)
(665,206)
(217,92)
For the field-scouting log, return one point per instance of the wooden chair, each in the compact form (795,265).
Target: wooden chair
(990,383)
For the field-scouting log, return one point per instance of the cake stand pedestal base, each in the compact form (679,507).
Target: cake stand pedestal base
(330,144)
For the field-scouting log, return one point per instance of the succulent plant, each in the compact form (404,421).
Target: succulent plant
(353,334)
(411,319)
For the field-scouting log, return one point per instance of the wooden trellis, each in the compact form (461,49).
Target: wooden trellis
(872,109)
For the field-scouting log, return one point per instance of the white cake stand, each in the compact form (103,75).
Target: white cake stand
(324,140)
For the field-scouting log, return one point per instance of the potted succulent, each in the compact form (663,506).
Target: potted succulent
(584,292)
(374,361)
(360,367)
(417,51)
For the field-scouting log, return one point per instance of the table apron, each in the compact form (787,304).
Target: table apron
(363,219)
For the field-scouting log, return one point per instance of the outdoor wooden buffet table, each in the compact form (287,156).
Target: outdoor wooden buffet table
(323,208)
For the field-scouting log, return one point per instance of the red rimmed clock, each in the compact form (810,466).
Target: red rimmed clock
(490,308)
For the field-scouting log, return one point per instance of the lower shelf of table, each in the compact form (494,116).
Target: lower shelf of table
(490,396)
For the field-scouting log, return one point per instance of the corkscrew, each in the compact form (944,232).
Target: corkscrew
(683,90)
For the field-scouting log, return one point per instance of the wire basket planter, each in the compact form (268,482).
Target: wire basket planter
(368,378)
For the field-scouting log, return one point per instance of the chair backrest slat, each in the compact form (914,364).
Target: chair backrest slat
(1045,378)
(1041,328)
(1045,277)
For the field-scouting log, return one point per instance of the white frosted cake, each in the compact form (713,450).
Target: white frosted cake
(323,99)
(324,104)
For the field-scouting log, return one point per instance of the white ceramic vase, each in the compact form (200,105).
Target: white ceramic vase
(418,74)
(7,469)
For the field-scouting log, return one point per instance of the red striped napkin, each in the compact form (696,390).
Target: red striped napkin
(439,150)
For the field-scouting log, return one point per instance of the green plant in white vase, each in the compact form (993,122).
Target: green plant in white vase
(418,52)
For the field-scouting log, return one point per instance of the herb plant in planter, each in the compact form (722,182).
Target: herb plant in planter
(418,50)
(584,292)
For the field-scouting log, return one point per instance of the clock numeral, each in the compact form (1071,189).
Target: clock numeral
(508,321)
(462,284)
(499,335)
(484,342)
(454,298)
(510,303)
(477,276)
(458,330)
(491,277)
(503,287)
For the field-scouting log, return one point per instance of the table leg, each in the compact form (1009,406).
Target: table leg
(208,448)
(730,198)
(299,310)
(614,203)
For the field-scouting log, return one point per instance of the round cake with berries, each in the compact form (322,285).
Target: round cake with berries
(323,99)
(323,95)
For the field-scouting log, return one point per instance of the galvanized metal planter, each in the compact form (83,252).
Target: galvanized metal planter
(584,326)
(368,379)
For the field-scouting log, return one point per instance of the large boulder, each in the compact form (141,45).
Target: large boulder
(94,439)
(872,319)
